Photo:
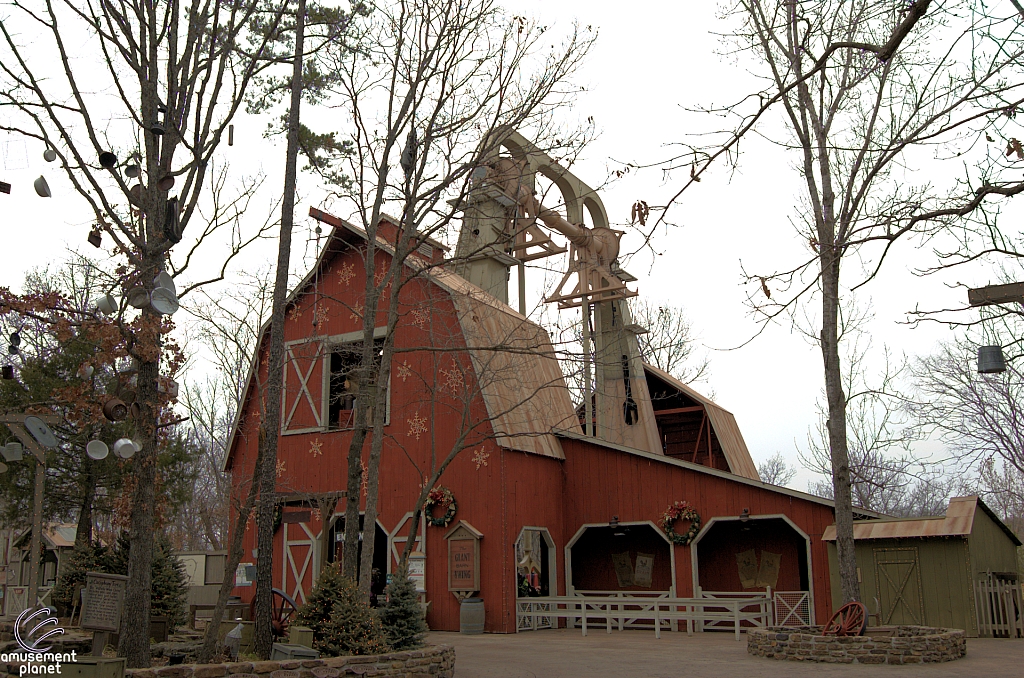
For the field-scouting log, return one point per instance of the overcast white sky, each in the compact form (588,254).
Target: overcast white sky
(651,59)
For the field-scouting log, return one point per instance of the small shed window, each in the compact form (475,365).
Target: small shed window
(342,393)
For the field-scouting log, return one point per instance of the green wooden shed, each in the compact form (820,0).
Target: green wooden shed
(954,571)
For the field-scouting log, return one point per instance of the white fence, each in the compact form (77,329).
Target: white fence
(638,611)
(999,609)
(792,608)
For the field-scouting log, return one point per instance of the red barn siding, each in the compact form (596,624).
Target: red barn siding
(504,491)
(605,482)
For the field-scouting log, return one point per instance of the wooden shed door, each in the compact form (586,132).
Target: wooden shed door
(302,403)
(898,580)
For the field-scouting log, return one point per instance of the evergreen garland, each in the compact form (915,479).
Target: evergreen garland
(341,619)
(402,615)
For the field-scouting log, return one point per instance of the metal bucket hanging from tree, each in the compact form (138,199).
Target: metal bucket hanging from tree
(990,360)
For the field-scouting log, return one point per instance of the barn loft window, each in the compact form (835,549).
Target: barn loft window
(342,392)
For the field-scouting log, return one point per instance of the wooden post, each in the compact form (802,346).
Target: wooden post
(588,405)
(15,423)
(100,639)
(37,534)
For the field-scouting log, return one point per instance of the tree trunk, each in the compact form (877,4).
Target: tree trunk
(134,636)
(841,486)
(87,481)
(350,556)
(234,557)
(372,480)
(264,637)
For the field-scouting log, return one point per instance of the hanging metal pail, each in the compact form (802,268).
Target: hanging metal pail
(990,360)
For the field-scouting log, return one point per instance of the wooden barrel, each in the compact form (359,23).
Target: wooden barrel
(471,616)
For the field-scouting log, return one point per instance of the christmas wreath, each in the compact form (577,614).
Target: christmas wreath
(440,496)
(680,510)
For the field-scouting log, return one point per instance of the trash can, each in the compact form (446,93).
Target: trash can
(471,616)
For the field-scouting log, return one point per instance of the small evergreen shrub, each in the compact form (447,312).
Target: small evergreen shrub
(169,594)
(401,615)
(341,619)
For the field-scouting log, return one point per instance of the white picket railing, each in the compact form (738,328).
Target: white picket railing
(999,609)
(659,612)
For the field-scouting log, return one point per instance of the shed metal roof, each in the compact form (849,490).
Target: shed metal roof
(958,522)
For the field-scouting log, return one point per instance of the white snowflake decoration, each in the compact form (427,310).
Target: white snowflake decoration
(319,315)
(452,380)
(316,448)
(417,426)
(419,317)
(480,458)
(346,273)
(404,371)
(357,312)
(280,468)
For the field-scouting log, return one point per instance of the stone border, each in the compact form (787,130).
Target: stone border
(433,660)
(907,645)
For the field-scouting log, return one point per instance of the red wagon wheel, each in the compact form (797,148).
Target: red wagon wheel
(850,620)
(282,608)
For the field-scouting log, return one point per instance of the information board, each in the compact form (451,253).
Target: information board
(102,602)
(418,572)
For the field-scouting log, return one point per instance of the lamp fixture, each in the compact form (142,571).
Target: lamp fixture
(614,522)
(745,516)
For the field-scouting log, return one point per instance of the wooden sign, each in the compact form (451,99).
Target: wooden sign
(644,570)
(768,573)
(463,558)
(293,517)
(746,562)
(102,602)
(623,568)
(463,567)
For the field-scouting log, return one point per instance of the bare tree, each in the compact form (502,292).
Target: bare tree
(427,95)
(776,471)
(669,343)
(977,416)
(225,332)
(862,89)
(158,97)
(228,328)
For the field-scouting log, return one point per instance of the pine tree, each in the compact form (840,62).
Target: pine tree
(169,595)
(342,621)
(84,558)
(402,615)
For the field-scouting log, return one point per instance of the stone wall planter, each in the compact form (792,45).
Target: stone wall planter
(882,645)
(437,661)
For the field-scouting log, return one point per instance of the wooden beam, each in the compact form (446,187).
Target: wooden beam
(679,410)
(326,218)
(699,435)
(996,294)
(308,497)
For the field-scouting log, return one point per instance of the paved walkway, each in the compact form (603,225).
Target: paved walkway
(567,654)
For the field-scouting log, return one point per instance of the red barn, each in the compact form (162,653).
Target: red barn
(547,506)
